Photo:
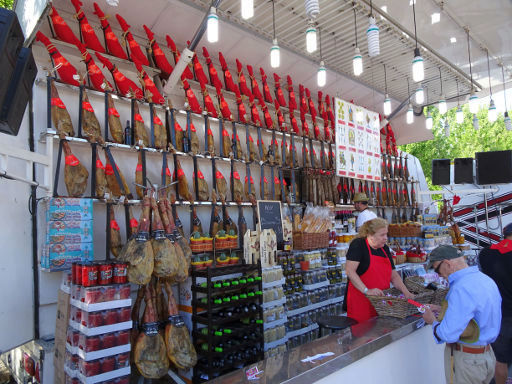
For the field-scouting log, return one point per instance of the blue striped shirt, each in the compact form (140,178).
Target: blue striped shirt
(472,295)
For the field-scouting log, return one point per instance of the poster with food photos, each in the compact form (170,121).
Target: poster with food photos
(357,142)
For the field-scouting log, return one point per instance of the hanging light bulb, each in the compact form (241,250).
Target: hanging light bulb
(429,121)
(508,123)
(473,103)
(418,73)
(372,34)
(321,75)
(312,8)
(275,55)
(476,125)
(387,105)
(419,95)
(212,29)
(442,106)
(357,62)
(275,58)
(459,115)
(311,38)
(492,114)
(446,128)
(247,9)
(410,115)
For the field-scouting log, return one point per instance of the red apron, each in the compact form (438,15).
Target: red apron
(378,275)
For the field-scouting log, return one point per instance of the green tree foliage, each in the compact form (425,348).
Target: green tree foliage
(463,140)
(6,4)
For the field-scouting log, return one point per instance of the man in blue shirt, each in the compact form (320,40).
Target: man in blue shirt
(472,296)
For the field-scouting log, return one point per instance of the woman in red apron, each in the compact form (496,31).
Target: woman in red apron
(370,269)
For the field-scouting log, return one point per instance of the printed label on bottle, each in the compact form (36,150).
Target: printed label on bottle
(71,160)
(57,102)
(87,106)
(113,112)
(92,276)
(106,275)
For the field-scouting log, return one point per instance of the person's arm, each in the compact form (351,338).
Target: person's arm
(398,283)
(355,280)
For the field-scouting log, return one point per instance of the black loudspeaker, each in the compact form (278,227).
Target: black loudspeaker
(441,171)
(18,92)
(11,41)
(493,167)
(463,170)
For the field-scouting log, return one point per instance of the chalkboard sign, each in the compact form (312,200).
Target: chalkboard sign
(269,214)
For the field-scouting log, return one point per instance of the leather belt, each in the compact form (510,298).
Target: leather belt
(474,350)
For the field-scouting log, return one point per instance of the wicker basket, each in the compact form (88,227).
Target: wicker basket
(395,306)
(304,240)
(439,296)
(415,284)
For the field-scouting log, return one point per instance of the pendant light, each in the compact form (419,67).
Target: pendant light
(419,95)
(459,115)
(446,128)
(410,113)
(508,123)
(473,99)
(247,9)
(429,122)
(476,124)
(492,113)
(442,103)
(275,58)
(372,33)
(357,60)
(312,8)
(418,73)
(387,100)
(311,37)
(321,75)
(212,29)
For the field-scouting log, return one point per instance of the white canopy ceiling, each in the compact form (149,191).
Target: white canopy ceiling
(488,22)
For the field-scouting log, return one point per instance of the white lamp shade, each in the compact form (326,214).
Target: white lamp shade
(492,114)
(311,39)
(247,9)
(373,38)
(410,115)
(275,56)
(418,73)
(321,75)
(429,121)
(357,62)
(442,106)
(473,103)
(419,96)
(459,116)
(212,28)
(387,106)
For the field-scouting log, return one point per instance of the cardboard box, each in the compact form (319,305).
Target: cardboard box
(69,209)
(59,257)
(57,230)
(251,246)
(268,248)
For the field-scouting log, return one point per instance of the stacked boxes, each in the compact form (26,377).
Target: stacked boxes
(69,233)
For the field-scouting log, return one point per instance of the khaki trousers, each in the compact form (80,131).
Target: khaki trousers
(469,368)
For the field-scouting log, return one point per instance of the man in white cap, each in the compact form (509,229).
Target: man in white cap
(361,206)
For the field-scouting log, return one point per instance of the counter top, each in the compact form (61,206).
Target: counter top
(347,347)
